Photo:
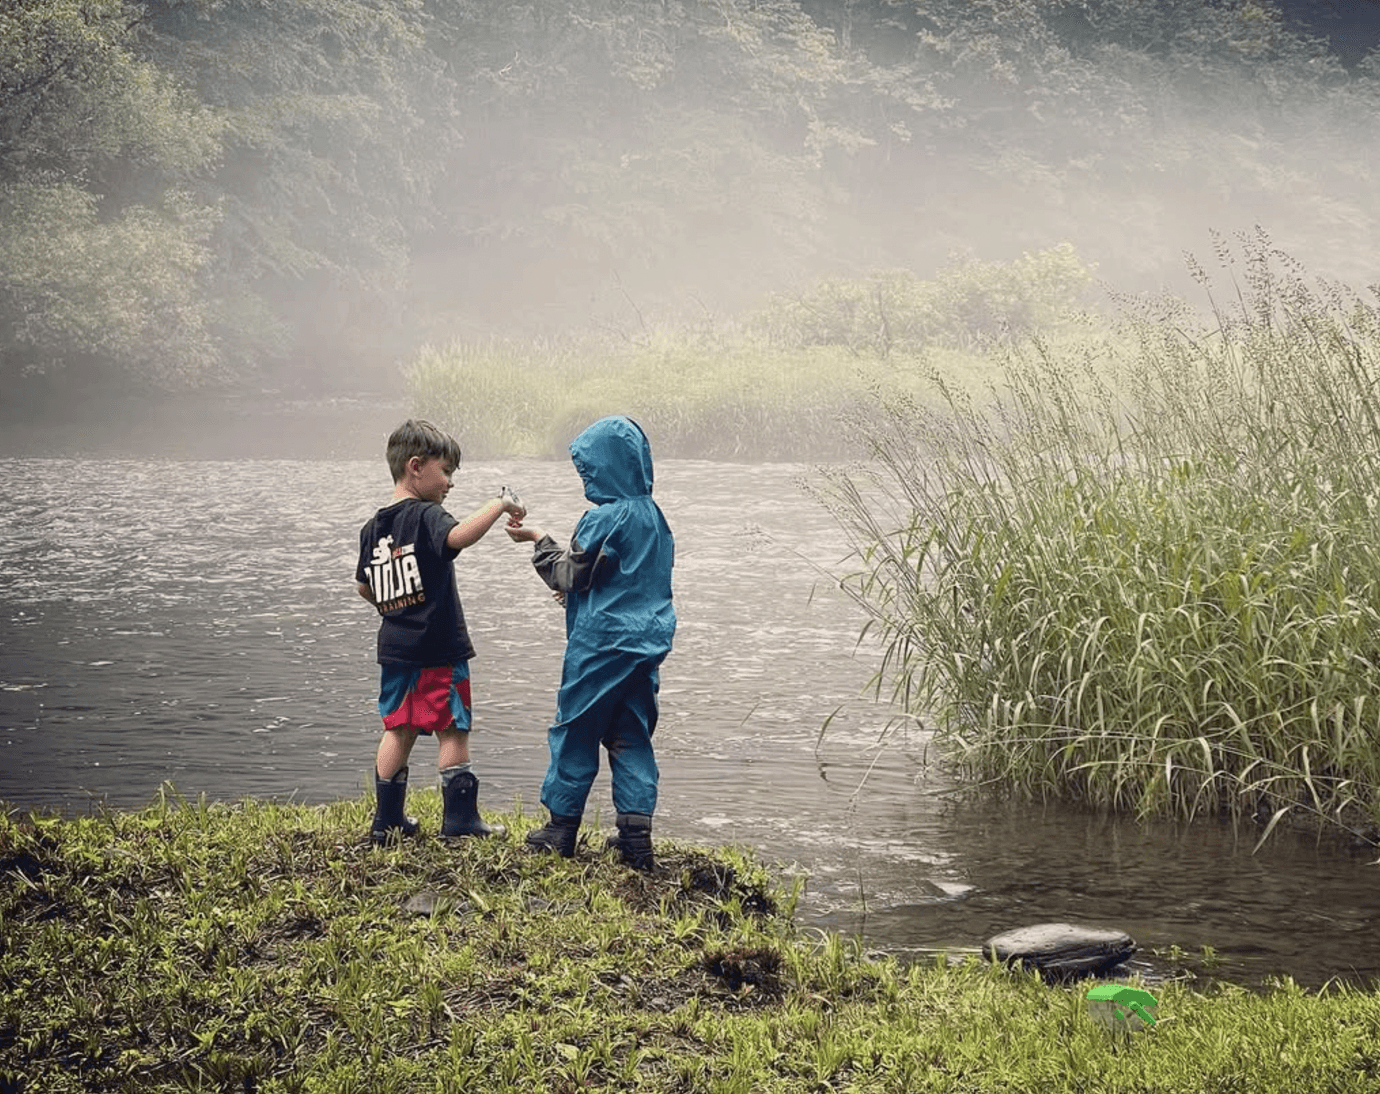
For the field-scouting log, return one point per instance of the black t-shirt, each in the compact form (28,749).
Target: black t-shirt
(404,559)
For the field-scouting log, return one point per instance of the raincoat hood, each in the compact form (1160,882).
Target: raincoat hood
(614,459)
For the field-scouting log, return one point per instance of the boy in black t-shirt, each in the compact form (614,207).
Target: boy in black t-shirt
(406,570)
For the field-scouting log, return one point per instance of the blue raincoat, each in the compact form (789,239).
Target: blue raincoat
(619,623)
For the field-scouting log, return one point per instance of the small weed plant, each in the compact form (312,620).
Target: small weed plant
(1145,575)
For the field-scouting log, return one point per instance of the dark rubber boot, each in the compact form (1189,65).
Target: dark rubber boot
(460,795)
(634,841)
(558,835)
(390,822)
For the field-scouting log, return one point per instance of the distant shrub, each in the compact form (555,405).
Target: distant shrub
(895,311)
(777,387)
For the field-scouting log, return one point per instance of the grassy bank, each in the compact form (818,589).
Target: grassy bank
(265,947)
(1146,576)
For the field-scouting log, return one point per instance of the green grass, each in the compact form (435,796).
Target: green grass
(1145,575)
(268,947)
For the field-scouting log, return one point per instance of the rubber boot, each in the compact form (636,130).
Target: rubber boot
(558,835)
(634,841)
(390,822)
(460,797)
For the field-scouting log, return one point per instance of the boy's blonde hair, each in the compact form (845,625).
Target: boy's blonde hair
(416,437)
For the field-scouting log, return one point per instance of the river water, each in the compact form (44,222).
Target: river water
(195,621)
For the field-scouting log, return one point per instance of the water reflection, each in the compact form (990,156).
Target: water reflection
(195,622)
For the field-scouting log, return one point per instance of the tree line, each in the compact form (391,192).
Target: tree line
(195,192)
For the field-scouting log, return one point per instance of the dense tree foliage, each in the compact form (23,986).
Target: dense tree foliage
(334,117)
(103,247)
(203,189)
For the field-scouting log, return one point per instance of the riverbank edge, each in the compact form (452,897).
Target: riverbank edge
(269,947)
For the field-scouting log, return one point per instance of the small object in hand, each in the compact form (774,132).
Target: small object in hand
(508,496)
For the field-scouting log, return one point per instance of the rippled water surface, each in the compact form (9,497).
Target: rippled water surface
(195,621)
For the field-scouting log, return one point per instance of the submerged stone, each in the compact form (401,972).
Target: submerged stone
(1061,949)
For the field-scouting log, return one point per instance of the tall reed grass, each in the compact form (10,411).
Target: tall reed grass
(1145,575)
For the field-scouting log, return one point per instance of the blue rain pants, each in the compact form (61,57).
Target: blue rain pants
(608,697)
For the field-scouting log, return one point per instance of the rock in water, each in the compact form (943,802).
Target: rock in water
(1061,949)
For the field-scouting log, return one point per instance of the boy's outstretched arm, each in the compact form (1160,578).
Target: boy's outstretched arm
(471,530)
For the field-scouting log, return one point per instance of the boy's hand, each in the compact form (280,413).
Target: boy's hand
(518,534)
(512,504)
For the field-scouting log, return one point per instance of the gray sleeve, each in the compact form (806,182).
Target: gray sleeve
(567,570)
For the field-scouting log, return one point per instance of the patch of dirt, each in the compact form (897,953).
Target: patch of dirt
(694,878)
(743,970)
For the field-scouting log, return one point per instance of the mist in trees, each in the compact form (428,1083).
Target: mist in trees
(228,192)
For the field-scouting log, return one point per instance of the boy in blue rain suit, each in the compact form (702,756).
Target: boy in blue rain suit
(615,582)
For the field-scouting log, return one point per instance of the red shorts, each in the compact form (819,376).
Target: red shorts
(429,699)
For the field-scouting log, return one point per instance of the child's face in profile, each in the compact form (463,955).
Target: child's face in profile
(431,480)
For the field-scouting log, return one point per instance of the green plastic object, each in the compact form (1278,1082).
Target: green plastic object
(1118,1006)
